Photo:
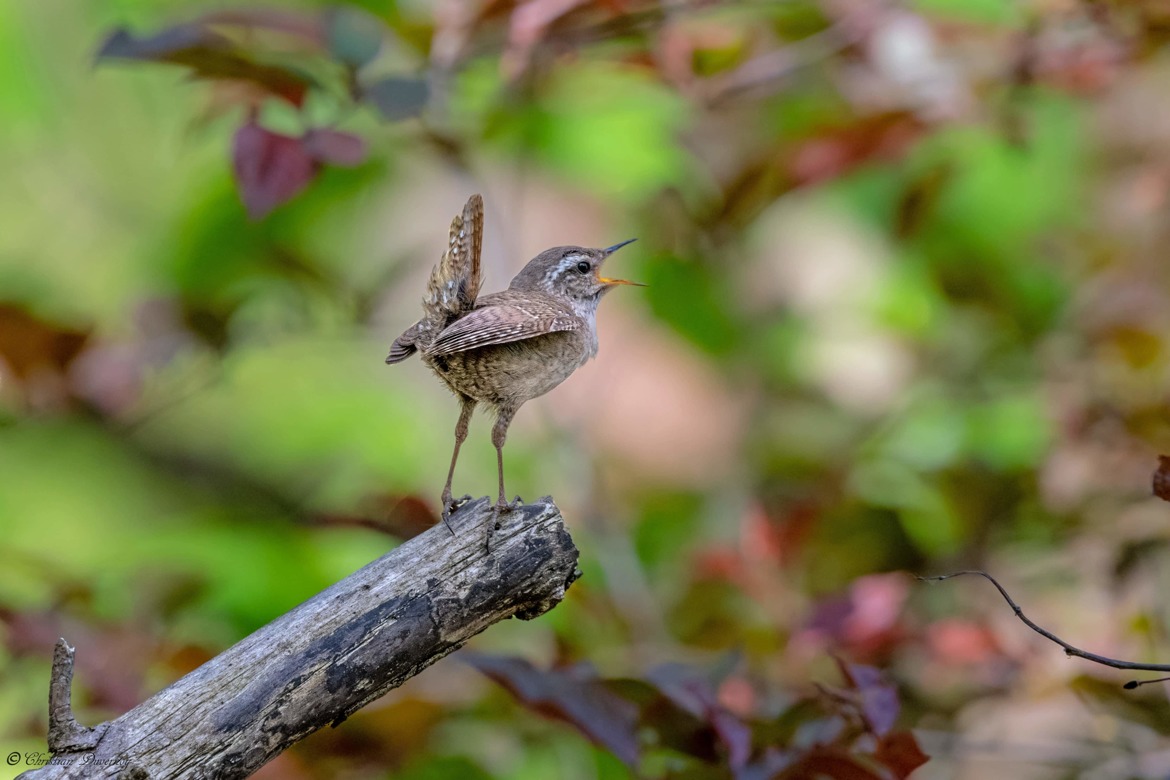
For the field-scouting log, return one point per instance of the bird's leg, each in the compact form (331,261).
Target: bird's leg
(467,407)
(499,434)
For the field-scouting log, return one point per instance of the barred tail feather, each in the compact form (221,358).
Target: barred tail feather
(454,283)
(400,351)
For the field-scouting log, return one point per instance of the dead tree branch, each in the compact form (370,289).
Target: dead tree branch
(319,663)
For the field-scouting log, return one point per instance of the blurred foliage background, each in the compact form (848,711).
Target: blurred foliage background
(907,313)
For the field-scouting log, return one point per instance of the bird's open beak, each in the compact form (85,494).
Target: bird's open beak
(609,251)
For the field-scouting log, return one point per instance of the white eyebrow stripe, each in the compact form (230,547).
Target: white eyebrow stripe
(566,263)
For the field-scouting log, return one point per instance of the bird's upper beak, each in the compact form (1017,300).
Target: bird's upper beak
(609,251)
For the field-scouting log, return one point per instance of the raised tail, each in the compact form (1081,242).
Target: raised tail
(454,283)
(453,286)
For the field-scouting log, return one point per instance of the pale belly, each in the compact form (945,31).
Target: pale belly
(509,374)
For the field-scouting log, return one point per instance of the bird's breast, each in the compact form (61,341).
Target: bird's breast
(510,374)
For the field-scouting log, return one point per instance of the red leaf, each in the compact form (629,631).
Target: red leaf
(830,762)
(900,752)
(270,168)
(832,152)
(601,715)
(209,56)
(1162,478)
(402,516)
(335,148)
(879,699)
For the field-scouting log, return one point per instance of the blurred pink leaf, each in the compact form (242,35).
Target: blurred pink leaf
(957,641)
(270,168)
(335,148)
(529,24)
(868,621)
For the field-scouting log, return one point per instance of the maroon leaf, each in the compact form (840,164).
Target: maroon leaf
(396,97)
(270,168)
(209,56)
(900,752)
(829,762)
(334,147)
(402,516)
(1162,478)
(675,727)
(571,696)
(879,699)
(695,695)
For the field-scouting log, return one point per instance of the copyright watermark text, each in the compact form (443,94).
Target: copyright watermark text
(16,758)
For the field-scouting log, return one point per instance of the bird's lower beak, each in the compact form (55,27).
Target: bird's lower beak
(603,280)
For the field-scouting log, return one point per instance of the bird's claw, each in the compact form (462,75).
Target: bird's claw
(505,506)
(446,515)
(449,506)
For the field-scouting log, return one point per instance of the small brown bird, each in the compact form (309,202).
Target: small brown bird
(508,347)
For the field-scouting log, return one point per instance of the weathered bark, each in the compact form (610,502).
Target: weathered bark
(316,665)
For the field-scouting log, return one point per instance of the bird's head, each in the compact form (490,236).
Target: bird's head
(572,272)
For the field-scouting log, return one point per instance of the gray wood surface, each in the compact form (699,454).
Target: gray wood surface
(317,664)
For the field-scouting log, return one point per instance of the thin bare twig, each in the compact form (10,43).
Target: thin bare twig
(1069,650)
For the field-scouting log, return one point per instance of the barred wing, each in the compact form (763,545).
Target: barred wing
(499,324)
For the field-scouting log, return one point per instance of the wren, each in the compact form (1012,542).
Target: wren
(505,348)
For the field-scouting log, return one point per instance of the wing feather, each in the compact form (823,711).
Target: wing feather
(498,324)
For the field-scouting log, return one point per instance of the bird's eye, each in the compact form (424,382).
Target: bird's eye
(583,267)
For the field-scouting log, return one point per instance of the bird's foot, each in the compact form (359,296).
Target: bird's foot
(449,506)
(454,503)
(503,506)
